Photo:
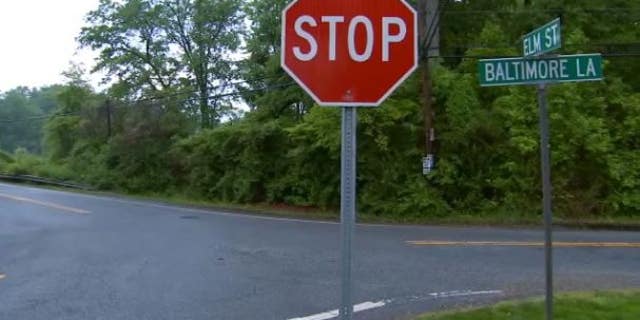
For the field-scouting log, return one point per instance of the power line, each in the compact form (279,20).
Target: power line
(42,117)
(580,10)
(221,95)
(241,92)
(218,96)
(462,56)
(509,46)
(195,91)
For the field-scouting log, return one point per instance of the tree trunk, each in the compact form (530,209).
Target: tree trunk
(204,105)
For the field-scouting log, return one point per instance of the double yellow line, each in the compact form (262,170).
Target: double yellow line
(557,244)
(44,204)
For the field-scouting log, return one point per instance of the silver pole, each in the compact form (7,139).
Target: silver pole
(348,204)
(546,199)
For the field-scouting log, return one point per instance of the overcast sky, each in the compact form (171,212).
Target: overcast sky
(38,40)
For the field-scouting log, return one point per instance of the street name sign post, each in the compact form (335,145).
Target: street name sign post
(349,53)
(539,70)
(543,40)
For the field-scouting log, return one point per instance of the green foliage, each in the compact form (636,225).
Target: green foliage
(150,47)
(22,114)
(5,160)
(24,163)
(313,177)
(5,157)
(261,69)
(134,158)
(64,128)
(389,160)
(623,163)
(234,162)
(588,306)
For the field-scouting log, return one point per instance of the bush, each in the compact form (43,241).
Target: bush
(233,162)
(25,163)
(5,160)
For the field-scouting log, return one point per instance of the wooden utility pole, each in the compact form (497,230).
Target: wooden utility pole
(429,29)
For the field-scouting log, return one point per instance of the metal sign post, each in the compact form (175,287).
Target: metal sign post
(347,204)
(545,161)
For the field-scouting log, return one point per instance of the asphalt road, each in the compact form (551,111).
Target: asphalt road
(72,256)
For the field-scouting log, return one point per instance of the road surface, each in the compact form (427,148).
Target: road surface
(73,256)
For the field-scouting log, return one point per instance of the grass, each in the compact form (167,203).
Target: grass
(617,305)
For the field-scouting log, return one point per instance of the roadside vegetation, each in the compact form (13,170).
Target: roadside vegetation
(184,119)
(583,306)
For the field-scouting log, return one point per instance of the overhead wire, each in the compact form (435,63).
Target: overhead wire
(195,91)
(563,10)
(216,96)
(41,117)
(462,56)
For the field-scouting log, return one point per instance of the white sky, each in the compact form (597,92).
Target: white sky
(37,40)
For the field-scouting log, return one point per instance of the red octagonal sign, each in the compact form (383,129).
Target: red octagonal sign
(349,52)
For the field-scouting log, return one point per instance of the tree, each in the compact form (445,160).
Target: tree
(267,88)
(23,112)
(155,48)
(19,127)
(64,128)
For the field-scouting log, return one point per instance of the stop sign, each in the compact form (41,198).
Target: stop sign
(349,52)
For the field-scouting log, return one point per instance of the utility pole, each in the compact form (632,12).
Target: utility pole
(429,30)
(432,22)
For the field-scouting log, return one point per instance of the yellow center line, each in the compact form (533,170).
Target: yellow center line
(44,204)
(558,244)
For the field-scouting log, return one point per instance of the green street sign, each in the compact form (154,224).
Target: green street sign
(542,40)
(517,71)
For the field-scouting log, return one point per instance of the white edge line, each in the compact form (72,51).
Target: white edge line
(335,313)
